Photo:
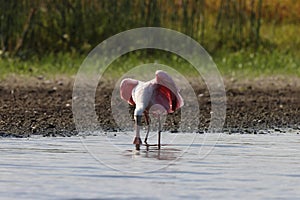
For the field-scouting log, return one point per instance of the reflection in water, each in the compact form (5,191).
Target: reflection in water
(154,152)
(164,154)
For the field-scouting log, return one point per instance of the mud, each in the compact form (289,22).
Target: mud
(39,106)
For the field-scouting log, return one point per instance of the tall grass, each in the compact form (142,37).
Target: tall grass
(42,26)
(45,36)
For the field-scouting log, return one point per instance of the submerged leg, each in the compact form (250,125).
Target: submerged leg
(137,140)
(159,131)
(148,127)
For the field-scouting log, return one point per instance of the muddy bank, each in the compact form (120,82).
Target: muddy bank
(40,106)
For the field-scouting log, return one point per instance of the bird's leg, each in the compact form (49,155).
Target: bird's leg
(148,126)
(159,131)
(137,140)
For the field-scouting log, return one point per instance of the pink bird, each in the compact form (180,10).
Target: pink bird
(161,93)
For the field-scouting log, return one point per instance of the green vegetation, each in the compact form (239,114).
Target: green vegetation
(244,37)
(49,65)
(231,64)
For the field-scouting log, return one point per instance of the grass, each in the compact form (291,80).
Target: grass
(233,64)
(260,63)
(50,65)
(278,54)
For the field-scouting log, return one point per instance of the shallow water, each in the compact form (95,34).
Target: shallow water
(106,166)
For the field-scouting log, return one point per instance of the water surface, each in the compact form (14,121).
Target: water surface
(106,166)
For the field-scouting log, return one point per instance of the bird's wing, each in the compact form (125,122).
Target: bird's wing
(126,87)
(167,86)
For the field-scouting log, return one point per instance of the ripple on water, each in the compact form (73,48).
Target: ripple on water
(216,166)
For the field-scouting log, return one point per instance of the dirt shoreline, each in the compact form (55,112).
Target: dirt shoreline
(40,106)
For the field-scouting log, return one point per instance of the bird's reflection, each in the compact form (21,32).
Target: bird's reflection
(166,153)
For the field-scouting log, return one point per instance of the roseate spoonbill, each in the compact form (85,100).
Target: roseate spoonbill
(160,93)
